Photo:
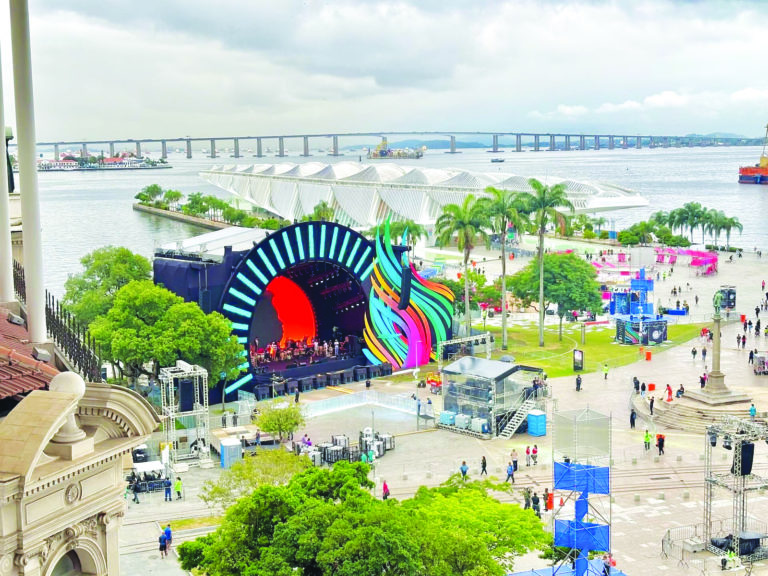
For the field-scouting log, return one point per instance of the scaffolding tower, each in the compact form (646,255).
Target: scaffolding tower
(581,521)
(183,448)
(741,436)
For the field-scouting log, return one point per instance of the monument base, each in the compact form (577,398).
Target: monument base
(718,398)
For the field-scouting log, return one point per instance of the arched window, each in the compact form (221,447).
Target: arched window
(68,565)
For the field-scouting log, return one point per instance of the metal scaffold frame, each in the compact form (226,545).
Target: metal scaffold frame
(170,379)
(735,432)
(484,339)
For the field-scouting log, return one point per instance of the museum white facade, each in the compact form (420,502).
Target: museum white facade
(363,195)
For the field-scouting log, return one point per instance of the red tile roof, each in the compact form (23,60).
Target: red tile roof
(19,372)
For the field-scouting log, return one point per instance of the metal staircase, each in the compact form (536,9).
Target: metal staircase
(514,423)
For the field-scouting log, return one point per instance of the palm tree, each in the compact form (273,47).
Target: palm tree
(502,208)
(694,214)
(468,221)
(543,205)
(414,232)
(730,223)
(660,218)
(600,221)
(713,223)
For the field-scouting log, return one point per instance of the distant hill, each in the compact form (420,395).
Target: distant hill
(717,135)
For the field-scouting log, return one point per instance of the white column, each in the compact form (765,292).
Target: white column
(30,202)
(6,253)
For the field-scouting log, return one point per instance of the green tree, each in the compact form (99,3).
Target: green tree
(543,204)
(279,417)
(413,232)
(172,197)
(322,212)
(731,223)
(504,209)
(196,205)
(569,282)
(90,293)
(148,325)
(326,522)
(152,192)
(267,467)
(468,222)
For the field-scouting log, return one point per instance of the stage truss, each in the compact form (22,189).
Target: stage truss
(736,431)
(466,344)
(196,419)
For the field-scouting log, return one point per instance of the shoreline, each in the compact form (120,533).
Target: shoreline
(186,218)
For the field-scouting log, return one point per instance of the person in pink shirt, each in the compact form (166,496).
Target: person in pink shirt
(527,455)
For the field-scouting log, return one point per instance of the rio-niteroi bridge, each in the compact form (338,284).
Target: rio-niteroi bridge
(499,141)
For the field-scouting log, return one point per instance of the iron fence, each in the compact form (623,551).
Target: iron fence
(71,338)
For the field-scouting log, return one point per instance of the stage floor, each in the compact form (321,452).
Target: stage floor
(595,568)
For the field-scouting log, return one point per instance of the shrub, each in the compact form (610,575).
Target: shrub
(604,235)
(589,235)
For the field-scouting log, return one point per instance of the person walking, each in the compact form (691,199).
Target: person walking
(535,504)
(647,440)
(660,444)
(464,469)
(632,418)
(703,380)
(693,353)
(642,390)
(527,498)
(483,467)
(296,396)
(757,311)
(651,404)
(743,342)
(752,412)
(535,454)
(168,537)
(163,545)
(384,490)
(578,383)
(606,564)
(636,384)
(513,455)
(167,484)
(751,357)
(135,488)
(704,354)
(510,473)
(527,455)
(177,487)
(605,371)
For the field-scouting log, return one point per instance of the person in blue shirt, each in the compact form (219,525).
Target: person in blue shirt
(167,484)
(464,469)
(752,412)
(510,473)
(168,537)
(163,546)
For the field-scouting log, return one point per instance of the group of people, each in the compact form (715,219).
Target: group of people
(305,350)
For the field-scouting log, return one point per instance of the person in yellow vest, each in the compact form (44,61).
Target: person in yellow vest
(177,487)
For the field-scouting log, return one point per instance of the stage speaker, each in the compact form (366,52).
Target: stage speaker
(186,395)
(41,354)
(747,456)
(14,319)
(405,289)
(205,301)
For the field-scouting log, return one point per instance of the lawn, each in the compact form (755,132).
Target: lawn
(556,357)
(190,523)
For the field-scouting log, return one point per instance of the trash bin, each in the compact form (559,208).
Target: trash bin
(648,355)
(743,318)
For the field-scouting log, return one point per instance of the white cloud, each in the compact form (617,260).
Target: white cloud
(192,67)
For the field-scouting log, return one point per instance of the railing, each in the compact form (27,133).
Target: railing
(71,338)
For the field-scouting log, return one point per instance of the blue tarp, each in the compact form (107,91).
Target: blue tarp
(582,478)
(582,535)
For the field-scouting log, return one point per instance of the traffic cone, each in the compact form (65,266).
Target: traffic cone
(561,502)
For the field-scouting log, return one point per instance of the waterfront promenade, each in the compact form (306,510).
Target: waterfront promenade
(650,495)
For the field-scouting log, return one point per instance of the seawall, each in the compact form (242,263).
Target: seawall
(197,221)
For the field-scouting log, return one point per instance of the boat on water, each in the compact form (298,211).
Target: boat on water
(757,174)
(496,160)
(383,152)
(118,163)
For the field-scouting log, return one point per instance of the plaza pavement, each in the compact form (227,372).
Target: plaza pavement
(650,494)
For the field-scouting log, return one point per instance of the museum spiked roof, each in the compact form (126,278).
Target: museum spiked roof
(19,372)
(363,195)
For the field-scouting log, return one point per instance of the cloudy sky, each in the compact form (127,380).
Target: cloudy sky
(117,69)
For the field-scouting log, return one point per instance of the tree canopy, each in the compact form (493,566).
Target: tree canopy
(326,522)
(569,282)
(148,324)
(279,417)
(268,467)
(90,293)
